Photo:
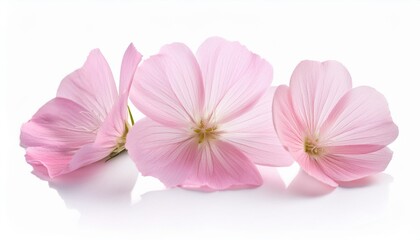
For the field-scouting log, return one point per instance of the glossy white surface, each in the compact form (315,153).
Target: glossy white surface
(42,42)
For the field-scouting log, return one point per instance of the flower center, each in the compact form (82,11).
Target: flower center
(312,147)
(205,131)
(120,143)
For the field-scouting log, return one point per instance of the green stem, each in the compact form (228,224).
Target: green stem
(131,116)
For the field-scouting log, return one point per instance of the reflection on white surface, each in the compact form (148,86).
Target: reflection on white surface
(304,185)
(305,208)
(100,190)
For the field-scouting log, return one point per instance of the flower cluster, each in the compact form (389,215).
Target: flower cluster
(211,117)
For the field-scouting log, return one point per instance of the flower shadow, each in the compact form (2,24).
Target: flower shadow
(380,178)
(99,187)
(271,207)
(104,198)
(306,186)
(179,210)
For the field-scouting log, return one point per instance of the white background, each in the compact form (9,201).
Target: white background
(41,42)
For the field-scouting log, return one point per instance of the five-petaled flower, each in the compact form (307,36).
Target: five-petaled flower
(334,132)
(208,117)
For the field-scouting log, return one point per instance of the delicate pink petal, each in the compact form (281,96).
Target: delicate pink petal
(222,166)
(88,154)
(360,123)
(348,167)
(168,87)
(55,133)
(313,167)
(234,78)
(59,124)
(288,126)
(128,67)
(188,85)
(115,124)
(47,162)
(160,151)
(253,133)
(315,89)
(91,86)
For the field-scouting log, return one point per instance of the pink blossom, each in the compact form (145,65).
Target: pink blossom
(334,132)
(208,117)
(85,123)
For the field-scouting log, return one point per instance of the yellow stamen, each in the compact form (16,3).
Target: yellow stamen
(204,132)
(312,147)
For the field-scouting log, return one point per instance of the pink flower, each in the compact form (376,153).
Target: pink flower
(85,123)
(334,132)
(209,117)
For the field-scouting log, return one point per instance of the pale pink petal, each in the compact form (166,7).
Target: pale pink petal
(60,124)
(220,166)
(359,123)
(128,67)
(315,89)
(115,124)
(162,152)
(168,87)
(234,78)
(313,167)
(288,126)
(91,86)
(55,133)
(348,167)
(88,154)
(48,162)
(253,133)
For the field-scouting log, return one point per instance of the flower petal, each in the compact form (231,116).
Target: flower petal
(168,87)
(60,124)
(360,123)
(288,126)
(253,133)
(315,89)
(55,133)
(91,86)
(313,167)
(115,125)
(222,166)
(234,78)
(128,67)
(162,152)
(48,162)
(349,167)
(88,154)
